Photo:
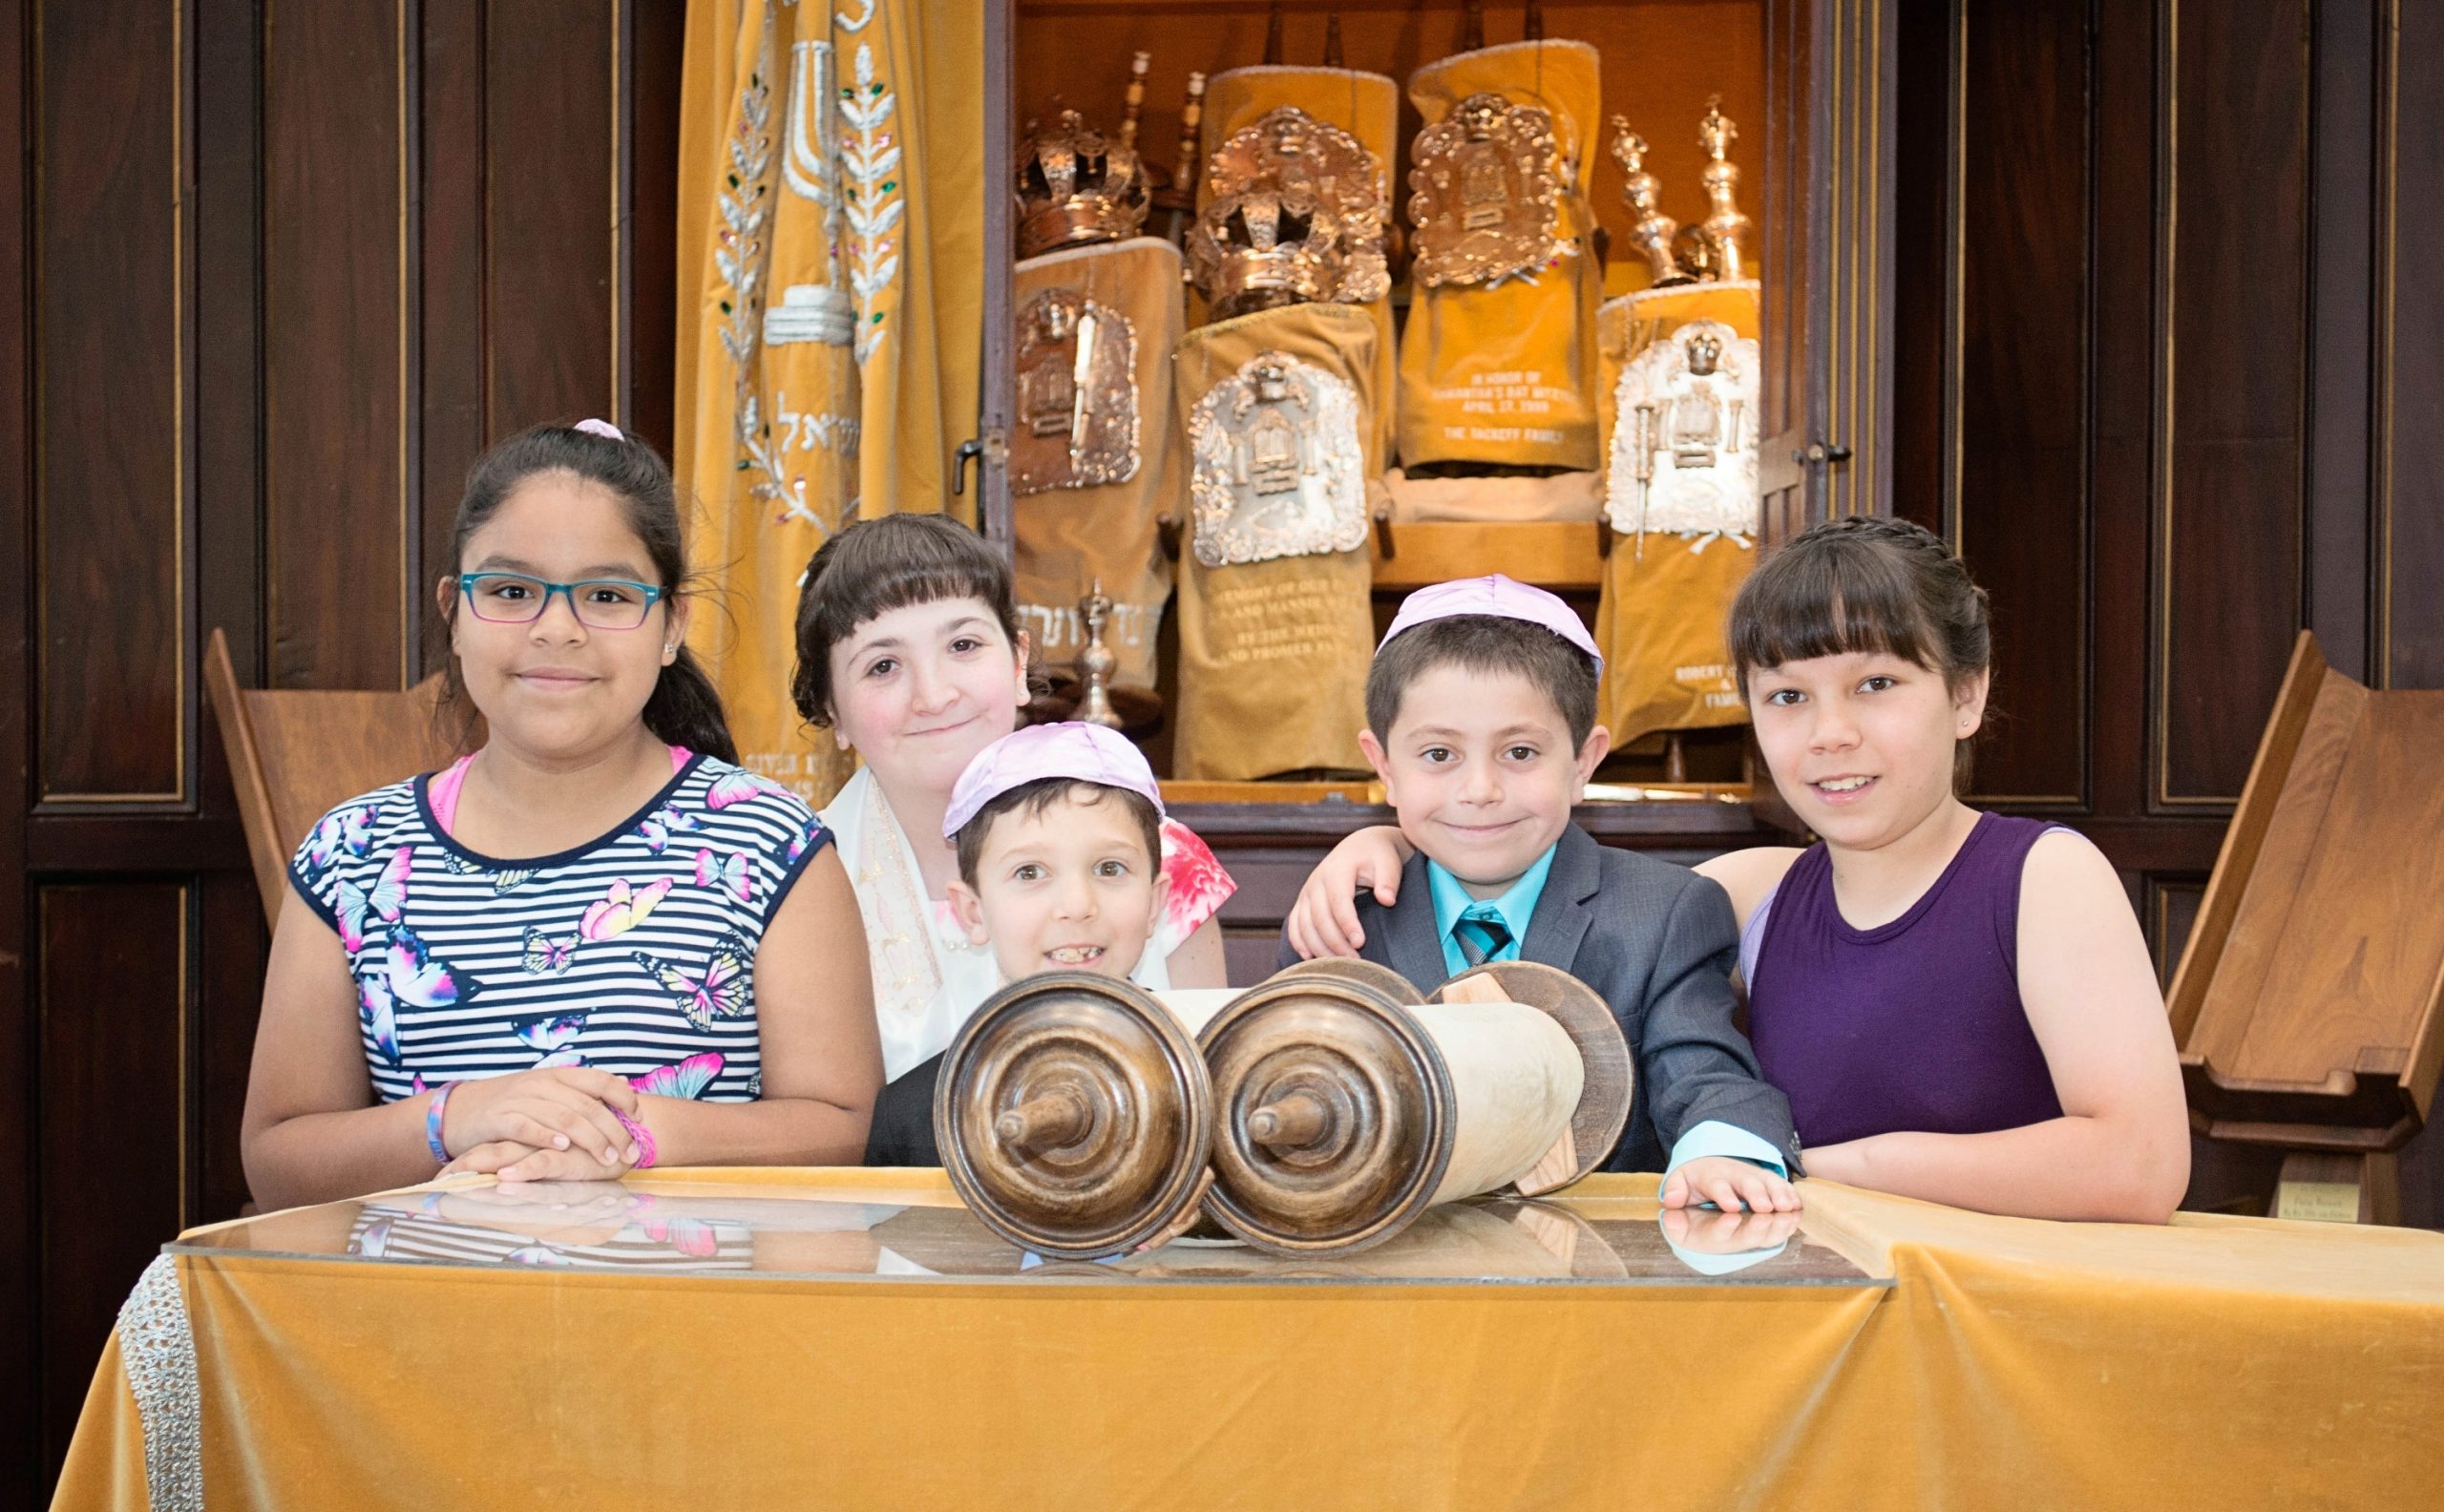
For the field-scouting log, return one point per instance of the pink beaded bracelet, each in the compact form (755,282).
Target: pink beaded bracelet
(643,1135)
(432,1121)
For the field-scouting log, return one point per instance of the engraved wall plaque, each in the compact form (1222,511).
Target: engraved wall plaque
(1077,395)
(1279,468)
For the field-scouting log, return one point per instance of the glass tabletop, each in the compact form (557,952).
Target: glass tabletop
(814,1233)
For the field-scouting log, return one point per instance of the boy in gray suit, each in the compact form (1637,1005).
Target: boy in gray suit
(1481,715)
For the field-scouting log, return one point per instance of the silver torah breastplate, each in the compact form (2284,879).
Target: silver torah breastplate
(1280,469)
(1077,395)
(1684,435)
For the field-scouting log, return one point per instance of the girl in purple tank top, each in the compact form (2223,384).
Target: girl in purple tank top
(1959,1005)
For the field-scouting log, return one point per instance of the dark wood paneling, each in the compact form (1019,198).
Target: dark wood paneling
(550,225)
(109,422)
(2230,530)
(454,334)
(228,965)
(2410,505)
(2341,386)
(113,1133)
(2122,439)
(653,48)
(2171,910)
(228,313)
(2019,506)
(1923,246)
(20,1299)
(334,334)
(1790,202)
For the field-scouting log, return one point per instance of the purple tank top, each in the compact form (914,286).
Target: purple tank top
(1912,1025)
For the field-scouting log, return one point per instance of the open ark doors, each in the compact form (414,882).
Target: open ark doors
(1825,229)
(1831,79)
(1829,254)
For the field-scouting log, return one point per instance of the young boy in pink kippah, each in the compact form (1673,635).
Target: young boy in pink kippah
(1059,831)
(1480,722)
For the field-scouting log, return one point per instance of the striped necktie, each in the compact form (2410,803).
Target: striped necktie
(1480,935)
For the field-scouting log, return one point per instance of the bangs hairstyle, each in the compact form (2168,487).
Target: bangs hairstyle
(877,565)
(1865,583)
(1035,797)
(1485,643)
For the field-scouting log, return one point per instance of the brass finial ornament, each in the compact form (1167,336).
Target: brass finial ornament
(1294,214)
(1485,194)
(1074,188)
(1652,234)
(1133,103)
(1096,663)
(1177,199)
(1725,226)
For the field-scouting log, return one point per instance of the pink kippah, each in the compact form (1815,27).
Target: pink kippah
(1087,753)
(601,428)
(1498,596)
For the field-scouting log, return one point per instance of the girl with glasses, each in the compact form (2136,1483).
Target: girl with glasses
(595,944)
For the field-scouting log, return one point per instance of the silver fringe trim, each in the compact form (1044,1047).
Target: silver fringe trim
(158,1350)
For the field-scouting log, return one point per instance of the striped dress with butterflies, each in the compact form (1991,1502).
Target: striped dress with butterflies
(633,953)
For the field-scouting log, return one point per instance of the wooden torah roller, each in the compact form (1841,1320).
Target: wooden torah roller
(1074,1114)
(1345,1105)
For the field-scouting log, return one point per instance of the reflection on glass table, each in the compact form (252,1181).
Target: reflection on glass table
(851,1234)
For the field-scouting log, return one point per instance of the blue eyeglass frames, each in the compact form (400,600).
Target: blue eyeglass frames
(600,603)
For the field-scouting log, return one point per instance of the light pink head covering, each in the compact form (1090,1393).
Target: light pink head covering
(1082,752)
(1498,596)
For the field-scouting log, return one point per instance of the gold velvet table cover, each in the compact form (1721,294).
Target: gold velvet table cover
(2214,1363)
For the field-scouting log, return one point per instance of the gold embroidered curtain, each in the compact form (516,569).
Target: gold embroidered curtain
(830,188)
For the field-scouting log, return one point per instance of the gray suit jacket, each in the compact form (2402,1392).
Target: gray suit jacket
(1659,943)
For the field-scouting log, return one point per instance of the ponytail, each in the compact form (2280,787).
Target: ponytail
(685,710)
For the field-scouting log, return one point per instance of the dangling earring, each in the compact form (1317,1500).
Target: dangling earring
(839,738)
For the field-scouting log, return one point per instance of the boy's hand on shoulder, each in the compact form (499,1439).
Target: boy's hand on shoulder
(1732,1185)
(1324,921)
